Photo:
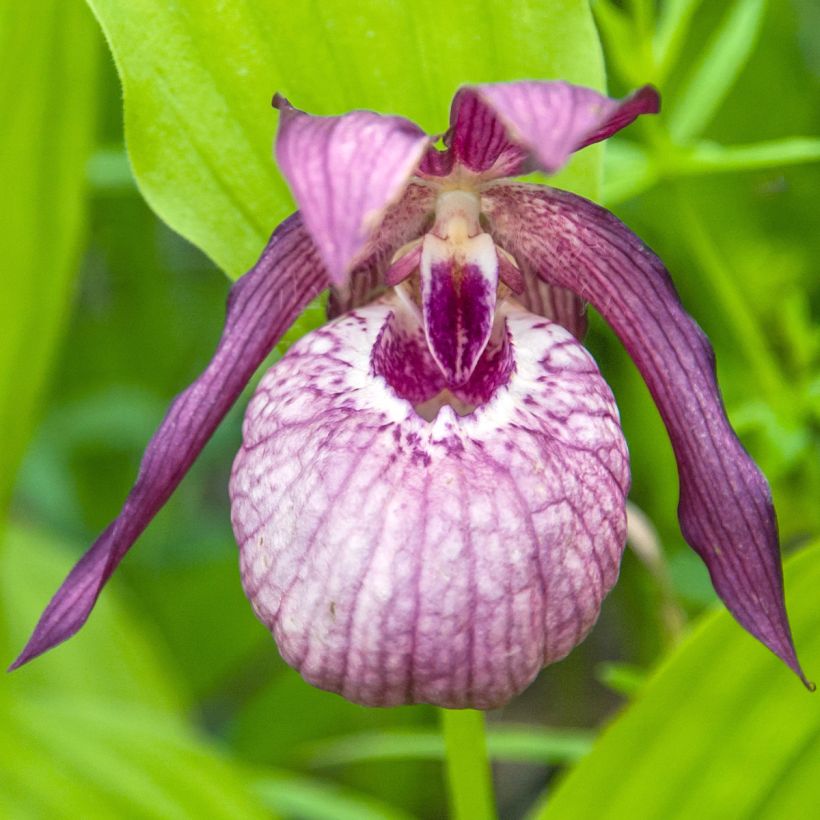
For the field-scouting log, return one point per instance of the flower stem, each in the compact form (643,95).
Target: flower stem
(468,767)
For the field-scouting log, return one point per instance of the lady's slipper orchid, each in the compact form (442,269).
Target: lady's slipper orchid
(430,495)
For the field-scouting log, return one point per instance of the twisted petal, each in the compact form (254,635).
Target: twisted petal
(345,172)
(725,508)
(401,561)
(261,306)
(505,129)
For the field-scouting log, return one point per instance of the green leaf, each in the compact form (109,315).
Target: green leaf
(716,70)
(521,744)
(109,171)
(48,69)
(630,170)
(722,729)
(198,79)
(310,799)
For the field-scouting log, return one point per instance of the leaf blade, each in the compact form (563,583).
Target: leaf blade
(714,732)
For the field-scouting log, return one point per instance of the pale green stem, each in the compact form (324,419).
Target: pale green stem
(468,768)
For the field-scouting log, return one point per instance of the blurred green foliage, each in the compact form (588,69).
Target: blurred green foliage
(48,95)
(172,702)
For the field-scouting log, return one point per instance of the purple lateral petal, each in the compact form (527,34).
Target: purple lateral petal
(505,129)
(345,172)
(401,561)
(261,306)
(725,507)
(477,139)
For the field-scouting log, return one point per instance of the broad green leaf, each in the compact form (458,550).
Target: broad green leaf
(522,744)
(722,730)
(198,79)
(310,799)
(48,62)
(716,70)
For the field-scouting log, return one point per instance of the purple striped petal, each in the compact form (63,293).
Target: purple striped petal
(506,129)
(725,508)
(261,306)
(345,172)
(401,561)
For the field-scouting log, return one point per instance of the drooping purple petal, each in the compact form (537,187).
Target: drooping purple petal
(402,561)
(345,172)
(725,508)
(506,129)
(458,294)
(261,306)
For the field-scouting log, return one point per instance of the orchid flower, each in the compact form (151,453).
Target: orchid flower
(430,496)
